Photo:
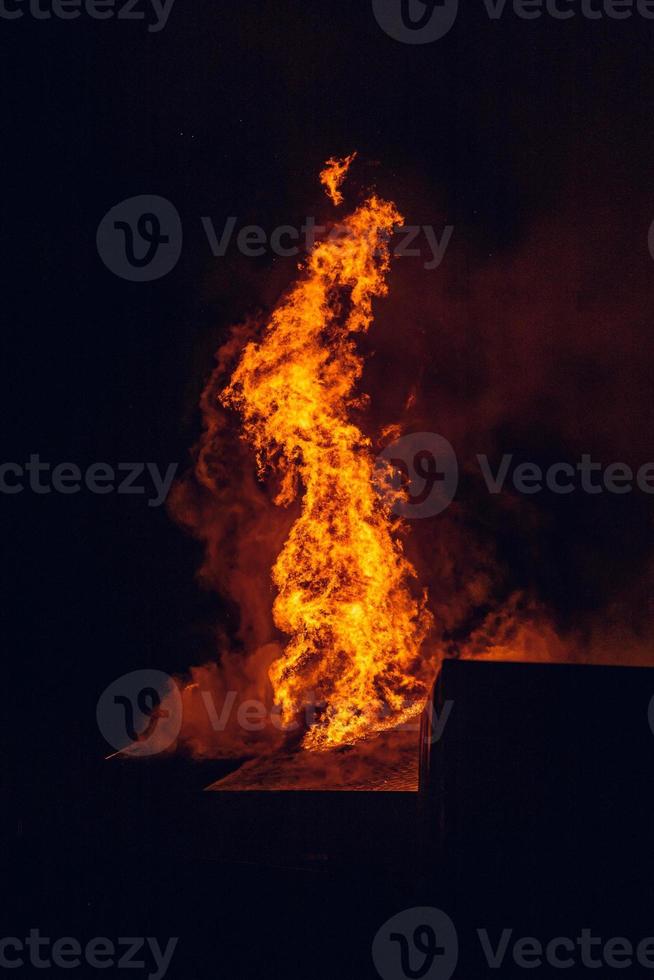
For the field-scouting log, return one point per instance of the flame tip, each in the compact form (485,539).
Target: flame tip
(333,175)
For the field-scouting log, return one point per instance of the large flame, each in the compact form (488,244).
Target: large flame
(344,597)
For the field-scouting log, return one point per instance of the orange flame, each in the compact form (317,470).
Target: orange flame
(334,174)
(343,581)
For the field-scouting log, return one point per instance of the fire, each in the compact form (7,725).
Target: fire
(345,591)
(333,176)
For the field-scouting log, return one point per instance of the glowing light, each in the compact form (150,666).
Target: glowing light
(345,596)
(334,174)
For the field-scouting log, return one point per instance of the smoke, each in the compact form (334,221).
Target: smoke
(540,350)
(222,503)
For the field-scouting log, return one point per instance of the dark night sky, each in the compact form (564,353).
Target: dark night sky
(514,132)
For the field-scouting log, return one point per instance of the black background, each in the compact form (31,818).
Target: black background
(231,110)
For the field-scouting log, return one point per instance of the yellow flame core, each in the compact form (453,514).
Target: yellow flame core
(342,577)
